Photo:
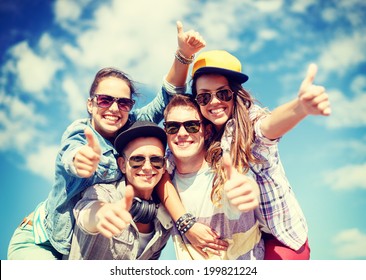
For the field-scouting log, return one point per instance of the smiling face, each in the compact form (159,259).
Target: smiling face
(107,121)
(187,148)
(145,177)
(216,111)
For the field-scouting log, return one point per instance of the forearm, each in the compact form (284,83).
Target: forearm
(282,119)
(178,72)
(169,197)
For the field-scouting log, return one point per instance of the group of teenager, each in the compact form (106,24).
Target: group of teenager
(211,177)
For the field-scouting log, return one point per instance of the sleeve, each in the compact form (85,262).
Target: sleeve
(154,111)
(257,114)
(72,141)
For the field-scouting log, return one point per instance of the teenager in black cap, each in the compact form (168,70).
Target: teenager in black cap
(87,156)
(122,220)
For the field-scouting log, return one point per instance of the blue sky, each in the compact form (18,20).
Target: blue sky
(50,51)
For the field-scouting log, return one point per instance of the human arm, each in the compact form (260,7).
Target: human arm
(189,43)
(199,235)
(106,218)
(311,100)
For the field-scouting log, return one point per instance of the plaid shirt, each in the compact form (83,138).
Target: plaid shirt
(279,211)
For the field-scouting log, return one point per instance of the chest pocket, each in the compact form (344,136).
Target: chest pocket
(108,169)
(122,246)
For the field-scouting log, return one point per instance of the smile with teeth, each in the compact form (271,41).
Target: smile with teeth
(217,110)
(184,143)
(147,176)
(111,118)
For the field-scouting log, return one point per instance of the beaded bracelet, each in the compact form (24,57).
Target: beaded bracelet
(182,59)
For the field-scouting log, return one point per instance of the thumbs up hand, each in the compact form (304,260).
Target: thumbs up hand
(113,218)
(189,42)
(86,160)
(241,191)
(313,98)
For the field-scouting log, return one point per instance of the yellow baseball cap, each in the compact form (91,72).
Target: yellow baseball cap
(219,62)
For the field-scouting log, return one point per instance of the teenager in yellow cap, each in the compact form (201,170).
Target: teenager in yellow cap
(251,135)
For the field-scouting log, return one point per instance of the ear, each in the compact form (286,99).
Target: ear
(89,106)
(122,164)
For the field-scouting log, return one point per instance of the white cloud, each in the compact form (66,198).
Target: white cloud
(358,85)
(347,177)
(343,53)
(350,244)
(68,10)
(42,162)
(75,97)
(347,111)
(268,6)
(18,123)
(34,72)
(302,6)
(267,34)
(128,37)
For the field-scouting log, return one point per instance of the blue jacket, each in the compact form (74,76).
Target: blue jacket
(68,187)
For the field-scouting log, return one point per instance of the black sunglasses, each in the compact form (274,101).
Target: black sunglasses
(223,94)
(106,101)
(190,126)
(138,161)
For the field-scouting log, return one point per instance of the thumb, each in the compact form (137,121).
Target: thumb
(92,141)
(310,76)
(228,166)
(179,27)
(129,193)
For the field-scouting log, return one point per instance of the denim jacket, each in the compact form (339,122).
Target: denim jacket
(58,222)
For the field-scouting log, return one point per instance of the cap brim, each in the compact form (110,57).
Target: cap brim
(127,136)
(237,76)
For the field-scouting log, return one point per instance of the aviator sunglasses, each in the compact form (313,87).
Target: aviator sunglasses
(223,95)
(190,126)
(138,161)
(106,101)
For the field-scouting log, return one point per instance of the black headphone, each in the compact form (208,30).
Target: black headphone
(143,211)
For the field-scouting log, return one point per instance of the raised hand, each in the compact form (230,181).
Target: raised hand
(189,42)
(113,218)
(313,98)
(203,237)
(241,190)
(86,160)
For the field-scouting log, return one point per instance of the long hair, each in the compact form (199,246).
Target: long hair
(243,138)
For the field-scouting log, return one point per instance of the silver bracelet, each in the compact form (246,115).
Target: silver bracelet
(182,59)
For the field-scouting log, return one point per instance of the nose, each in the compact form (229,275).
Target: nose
(114,106)
(147,164)
(214,99)
(182,131)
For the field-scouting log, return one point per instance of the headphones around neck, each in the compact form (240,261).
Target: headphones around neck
(143,211)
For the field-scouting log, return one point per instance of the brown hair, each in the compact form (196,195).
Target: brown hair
(187,100)
(111,72)
(240,150)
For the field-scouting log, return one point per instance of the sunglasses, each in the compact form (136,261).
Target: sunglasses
(223,95)
(190,126)
(138,161)
(106,101)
